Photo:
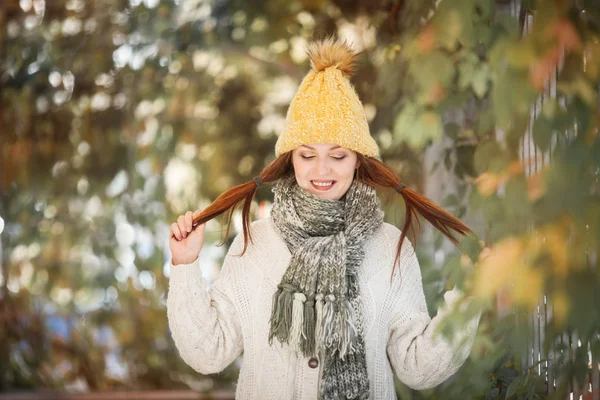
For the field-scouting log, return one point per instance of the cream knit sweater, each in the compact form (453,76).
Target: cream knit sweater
(211,327)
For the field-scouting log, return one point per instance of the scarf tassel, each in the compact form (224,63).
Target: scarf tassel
(308,333)
(296,331)
(281,315)
(329,321)
(319,323)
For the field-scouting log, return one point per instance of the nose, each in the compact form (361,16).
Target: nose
(323,167)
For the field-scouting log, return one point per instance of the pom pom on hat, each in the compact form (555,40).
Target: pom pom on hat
(330,53)
(326,108)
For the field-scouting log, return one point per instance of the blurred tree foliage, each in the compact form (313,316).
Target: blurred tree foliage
(534,182)
(117,116)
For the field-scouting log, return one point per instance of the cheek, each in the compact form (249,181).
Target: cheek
(297,167)
(299,171)
(301,175)
(348,170)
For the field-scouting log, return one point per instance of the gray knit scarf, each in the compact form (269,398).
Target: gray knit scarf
(317,307)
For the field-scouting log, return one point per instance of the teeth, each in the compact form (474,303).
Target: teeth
(322,184)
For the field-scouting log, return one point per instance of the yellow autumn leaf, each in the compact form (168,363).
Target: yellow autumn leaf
(506,274)
(487,183)
(496,270)
(528,287)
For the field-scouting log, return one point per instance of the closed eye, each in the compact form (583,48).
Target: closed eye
(337,158)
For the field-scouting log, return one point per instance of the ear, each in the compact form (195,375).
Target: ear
(357,164)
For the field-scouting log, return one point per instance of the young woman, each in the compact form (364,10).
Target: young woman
(324,298)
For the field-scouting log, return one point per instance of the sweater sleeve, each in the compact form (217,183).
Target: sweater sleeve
(204,322)
(423,358)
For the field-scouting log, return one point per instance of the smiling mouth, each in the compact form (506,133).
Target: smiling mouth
(322,185)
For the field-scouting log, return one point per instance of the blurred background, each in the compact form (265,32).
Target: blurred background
(116,116)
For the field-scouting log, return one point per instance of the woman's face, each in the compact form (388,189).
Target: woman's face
(326,170)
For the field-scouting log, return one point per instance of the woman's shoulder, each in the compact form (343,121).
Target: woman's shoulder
(266,255)
(386,234)
(383,245)
(262,235)
(390,231)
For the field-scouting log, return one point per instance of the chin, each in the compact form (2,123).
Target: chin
(327,196)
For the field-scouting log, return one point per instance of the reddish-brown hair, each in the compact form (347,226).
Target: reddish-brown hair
(370,171)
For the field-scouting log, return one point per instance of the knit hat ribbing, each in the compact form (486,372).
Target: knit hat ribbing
(326,108)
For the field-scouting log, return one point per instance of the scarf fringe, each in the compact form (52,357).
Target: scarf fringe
(319,323)
(296,331)
(308,333)
(281,315)
(329,322)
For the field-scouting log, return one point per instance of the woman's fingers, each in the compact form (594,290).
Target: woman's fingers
(184,224)
(175,231)
(181,224)
(188,221)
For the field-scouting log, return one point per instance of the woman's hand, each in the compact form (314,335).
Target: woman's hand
(185,242)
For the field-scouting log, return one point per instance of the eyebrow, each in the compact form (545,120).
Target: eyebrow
(312,148)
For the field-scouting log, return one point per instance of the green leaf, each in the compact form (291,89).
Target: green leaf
(476,201)
(485,9)
(480,80)
(474,74)
(406,119)
(560,119)
(490,156)
(512,96)
(514,386)
(516,201)
(523,54)
(483,34)
(466,71)
(416,126)
(579,86)
(431,69)
(454,24)
(470,245)
(486,121)
(464,160)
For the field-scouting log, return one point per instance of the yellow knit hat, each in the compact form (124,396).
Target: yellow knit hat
(326,108)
